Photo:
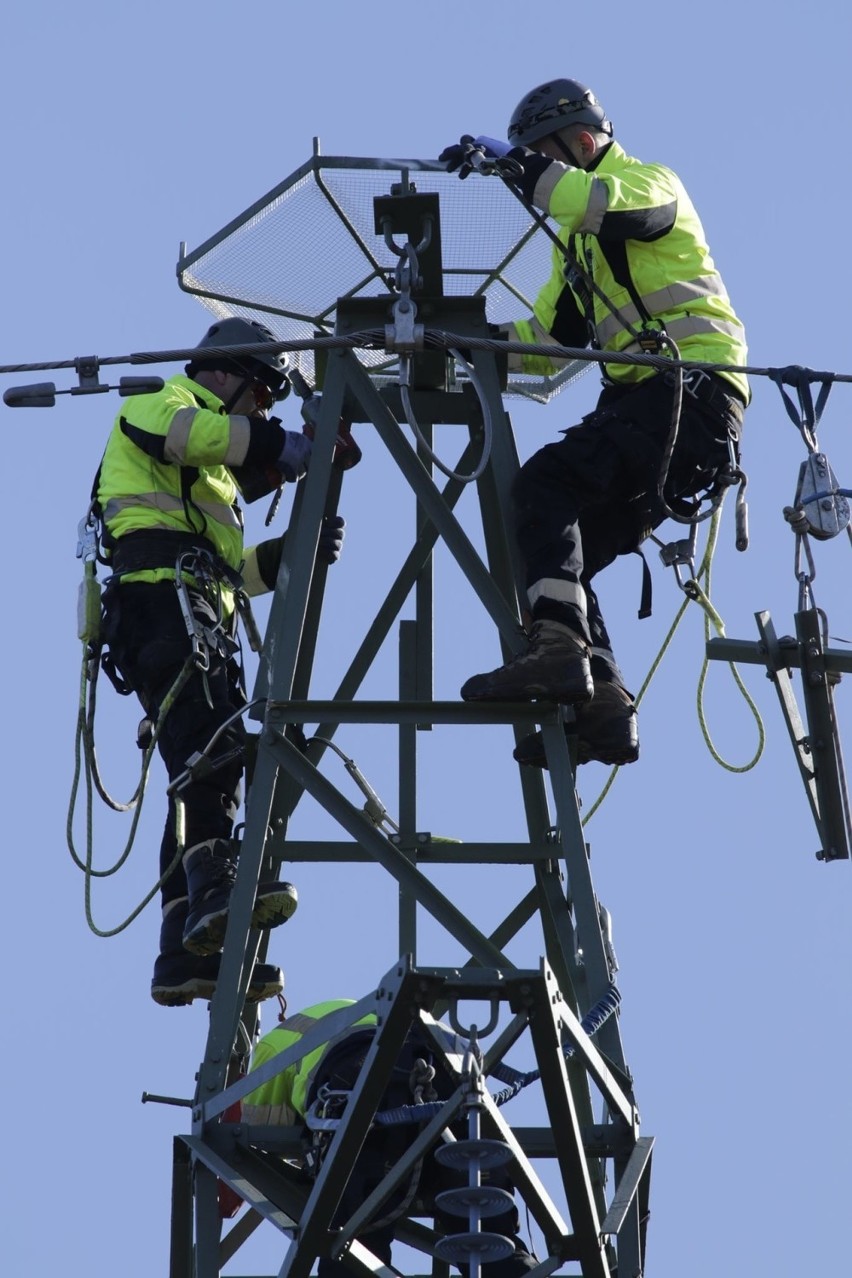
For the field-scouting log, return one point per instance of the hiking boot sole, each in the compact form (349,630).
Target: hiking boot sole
(565,695)
(570,692)
(530,751)
(207,936)
(606,731)
(267,980)
(271,909)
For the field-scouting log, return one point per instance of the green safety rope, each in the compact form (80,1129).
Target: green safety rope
(702,597)
(696,593)
(84,743)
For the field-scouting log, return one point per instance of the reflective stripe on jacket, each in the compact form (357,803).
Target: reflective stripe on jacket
(283,1099)
(633,228)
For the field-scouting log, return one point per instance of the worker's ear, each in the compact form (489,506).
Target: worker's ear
(585,144)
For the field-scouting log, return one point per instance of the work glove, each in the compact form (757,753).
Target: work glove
(295,455)
(532,165)
(457,157)
(486,155)
(330,544)
(262,562)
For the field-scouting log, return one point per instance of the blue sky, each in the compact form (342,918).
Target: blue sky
(129,130)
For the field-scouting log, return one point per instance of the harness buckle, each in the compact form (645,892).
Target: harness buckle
(650,340)
(692,379)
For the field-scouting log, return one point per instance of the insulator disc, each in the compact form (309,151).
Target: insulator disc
(488,1200)
(462,1249)
(461,1153)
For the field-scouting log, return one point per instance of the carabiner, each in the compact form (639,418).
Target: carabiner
(194,629)
(87,537)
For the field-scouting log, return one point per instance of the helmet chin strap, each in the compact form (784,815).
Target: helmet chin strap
(563,147)
(239,392)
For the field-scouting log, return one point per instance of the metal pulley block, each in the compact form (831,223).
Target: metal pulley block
(818,496)
(405,334)
(680,554)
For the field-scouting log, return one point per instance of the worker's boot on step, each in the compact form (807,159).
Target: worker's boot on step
(211,871)
(555,667)
(606,728)
(181,977)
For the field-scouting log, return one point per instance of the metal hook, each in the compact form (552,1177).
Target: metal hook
(472,1031)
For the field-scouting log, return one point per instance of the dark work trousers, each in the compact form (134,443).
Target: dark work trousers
(592,495)
(148,642)
(383,1147)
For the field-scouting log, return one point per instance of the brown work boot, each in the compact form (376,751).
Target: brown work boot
(555,667)
(607,731)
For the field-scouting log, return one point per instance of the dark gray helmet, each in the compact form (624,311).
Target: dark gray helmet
(235,331)
(552,106)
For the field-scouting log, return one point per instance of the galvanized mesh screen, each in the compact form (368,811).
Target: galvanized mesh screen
(312,240)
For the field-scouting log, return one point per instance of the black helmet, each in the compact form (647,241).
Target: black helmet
(553,105)
(235,331)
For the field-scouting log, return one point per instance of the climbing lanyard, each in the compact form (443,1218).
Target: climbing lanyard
(90,633)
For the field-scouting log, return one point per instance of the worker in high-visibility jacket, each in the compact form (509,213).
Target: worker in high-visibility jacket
(287,1097)
(167,491)
(639,267)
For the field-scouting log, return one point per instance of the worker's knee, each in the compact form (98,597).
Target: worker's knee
(533,478)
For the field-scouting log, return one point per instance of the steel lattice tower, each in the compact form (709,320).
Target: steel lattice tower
(593,1222)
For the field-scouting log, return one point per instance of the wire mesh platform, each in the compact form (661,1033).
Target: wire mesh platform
(312,240)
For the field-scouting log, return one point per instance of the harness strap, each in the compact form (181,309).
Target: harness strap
(580,281)
(712,390)
(806,419)
(106,541)
(615,254)
(160,548)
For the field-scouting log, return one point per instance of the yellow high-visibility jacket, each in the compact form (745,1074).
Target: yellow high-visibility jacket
(169,466)
(284,1098)
(633,229)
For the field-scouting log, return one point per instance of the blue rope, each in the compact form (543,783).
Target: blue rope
(591,1023)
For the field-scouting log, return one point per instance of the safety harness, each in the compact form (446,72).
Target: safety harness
(702,386)
(196,566)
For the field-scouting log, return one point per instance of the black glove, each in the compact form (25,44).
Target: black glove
(533,164)
(457,156)
(330,544)
(295,455)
